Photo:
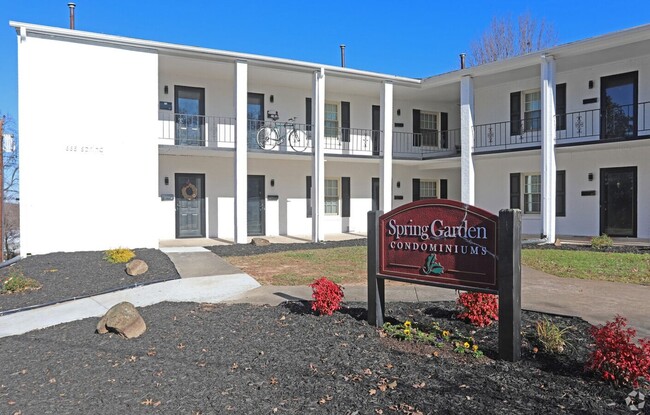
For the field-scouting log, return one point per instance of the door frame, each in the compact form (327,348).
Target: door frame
(202,210)
(262,179)
(603,199)
(632,76)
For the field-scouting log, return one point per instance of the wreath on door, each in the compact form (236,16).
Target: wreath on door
(189,191)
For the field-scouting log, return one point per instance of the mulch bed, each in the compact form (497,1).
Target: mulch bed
(205,359)
(66,275)
(623,249)
(250,249)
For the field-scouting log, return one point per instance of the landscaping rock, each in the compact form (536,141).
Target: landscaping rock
(260,242)
(136,267)
(123,319)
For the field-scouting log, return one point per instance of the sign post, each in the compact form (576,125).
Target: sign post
(449,244)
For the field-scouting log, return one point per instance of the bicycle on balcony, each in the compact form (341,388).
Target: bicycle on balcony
(270,136)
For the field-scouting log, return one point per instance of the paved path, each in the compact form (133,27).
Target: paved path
(205,277)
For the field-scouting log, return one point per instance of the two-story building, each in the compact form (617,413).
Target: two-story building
(127,142)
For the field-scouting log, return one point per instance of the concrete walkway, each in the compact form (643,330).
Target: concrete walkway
(205,277)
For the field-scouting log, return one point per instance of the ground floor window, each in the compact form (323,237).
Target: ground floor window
(526,190)
(332,196)
(428,189)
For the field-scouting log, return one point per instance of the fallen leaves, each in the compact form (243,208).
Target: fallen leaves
(325,399)
(150,402)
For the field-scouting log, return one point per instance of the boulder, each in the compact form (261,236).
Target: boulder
(123,319)
(260,242)
(136,267)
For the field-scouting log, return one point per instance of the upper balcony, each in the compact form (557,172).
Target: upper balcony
(218,133)
(616,122)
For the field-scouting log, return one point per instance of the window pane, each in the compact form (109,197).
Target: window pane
(331,196)
(428,121)
(331,120)
(428,189)
(532,193)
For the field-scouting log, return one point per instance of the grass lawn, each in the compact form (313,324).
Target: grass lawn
(605,266)
(348,265)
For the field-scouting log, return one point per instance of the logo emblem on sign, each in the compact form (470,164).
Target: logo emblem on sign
(432,266)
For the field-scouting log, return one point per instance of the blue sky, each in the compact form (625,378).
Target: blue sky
(407,38)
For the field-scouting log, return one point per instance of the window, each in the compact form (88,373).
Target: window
(331,120)
(428,189)
(429,128)
(532,111)
(331,196)
(532,192)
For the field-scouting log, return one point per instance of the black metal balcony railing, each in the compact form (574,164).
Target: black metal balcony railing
(280,136)
(197,130)
(616,122)
(426,144)
(506,135)
(352,141)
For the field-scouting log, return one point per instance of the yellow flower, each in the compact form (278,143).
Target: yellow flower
(407,332)
(466,345)
(445,333)
(475,348)
(407,324)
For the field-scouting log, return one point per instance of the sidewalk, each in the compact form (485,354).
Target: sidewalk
(205,277)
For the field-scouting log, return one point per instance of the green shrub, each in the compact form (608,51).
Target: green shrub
(601,242)
(16,282)
(119,255)
(551,337)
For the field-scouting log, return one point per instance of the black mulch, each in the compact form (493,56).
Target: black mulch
(630,249)
(243,359)
(250,249)
(65,275)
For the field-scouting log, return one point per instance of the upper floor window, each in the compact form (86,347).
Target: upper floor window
(331,119)
(429,128)
(532,111)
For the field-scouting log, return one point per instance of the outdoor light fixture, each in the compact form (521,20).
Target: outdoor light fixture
(272,182)
(398,184)
(271,98)
(166,90)
(590,176)
(166,181)
(399,112)
(591,84)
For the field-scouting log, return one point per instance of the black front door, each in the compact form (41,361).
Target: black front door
(190,115)
(375,193)
(256,206)
(255,115)
(618,200)
(618,98)
(376,134)
(190,205)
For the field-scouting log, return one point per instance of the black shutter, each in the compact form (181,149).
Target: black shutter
(375,193)
(443,188)
(515,191)
(345,194)
(345,122)
(308,113)
(560,193)
(308,196)
(416,189)
(444,126)
(560,107)
(515,113)
(417,137)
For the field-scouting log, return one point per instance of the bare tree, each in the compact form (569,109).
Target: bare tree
(505,39)
(10,219)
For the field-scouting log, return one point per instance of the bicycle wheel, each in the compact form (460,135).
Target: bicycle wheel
(267,138)
(298,140)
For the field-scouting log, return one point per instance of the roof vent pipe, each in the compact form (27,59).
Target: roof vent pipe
(462,61)
(71,6)
(342,55)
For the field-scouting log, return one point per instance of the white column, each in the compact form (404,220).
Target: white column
(318,166)
(548,168)
(241,150)
(386,120)
(467,139)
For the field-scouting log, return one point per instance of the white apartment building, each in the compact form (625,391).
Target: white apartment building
(127,142)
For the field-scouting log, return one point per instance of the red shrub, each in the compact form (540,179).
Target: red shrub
(327,296)
(479,308)
(617,357)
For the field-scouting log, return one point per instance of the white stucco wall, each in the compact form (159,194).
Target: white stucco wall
(88,160)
